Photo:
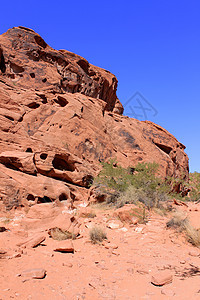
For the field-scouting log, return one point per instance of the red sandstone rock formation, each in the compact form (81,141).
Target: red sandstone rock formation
(59,117)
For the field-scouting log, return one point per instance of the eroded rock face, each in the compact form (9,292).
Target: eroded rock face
(59,117)
(30,62)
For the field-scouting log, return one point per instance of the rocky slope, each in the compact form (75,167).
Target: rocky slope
(137,261)
(59,117)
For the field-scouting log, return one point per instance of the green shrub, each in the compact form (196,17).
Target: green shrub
(133,185)
(194,183)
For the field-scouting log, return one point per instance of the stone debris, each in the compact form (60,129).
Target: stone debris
(64,246)
(162,278)
(33,273)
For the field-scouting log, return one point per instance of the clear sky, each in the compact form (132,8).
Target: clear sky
(152,46)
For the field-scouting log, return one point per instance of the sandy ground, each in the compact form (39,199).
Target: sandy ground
(121,268)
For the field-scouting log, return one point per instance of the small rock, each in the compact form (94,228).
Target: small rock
(32,242)
(115,225)
(124,229)
(64,246)
(115,253)
(34,273)
(194,252)
(135,220)
(69,265)
(167,292)
(182,262)
(142,271)
(36,241)
(139,229)
(130,270)
(162,278)
(14,255)
(110,245)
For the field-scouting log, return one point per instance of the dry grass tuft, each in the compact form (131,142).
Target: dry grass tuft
(97,235)
(59,234)
(182,224)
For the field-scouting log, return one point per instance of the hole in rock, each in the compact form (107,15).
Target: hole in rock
(43,156)
(44,80)
(44,101)
(61,101)
(62,197)
(72,196)
(32,75)
(60,164)
(45,199)
(40,41)
(33,105)
(30,197)
(29,150)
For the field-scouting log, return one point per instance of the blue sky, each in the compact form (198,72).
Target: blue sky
(152,46)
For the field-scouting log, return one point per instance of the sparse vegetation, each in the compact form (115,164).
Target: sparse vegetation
(59,234)
(182,224)
(194,184)
(134,185)
(89,215)
(97,235)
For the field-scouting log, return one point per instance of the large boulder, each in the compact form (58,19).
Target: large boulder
(60,117)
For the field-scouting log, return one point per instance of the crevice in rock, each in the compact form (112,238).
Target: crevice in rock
(44,199)
(40,41)
(164,148)
(16,69)
(84,65)
(9,118)
(2,64)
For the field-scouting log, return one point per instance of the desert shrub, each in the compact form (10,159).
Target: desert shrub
(178,222)
(133,185)
(182,224)
(97,235)
(113,176)
(59,234)
(194,183)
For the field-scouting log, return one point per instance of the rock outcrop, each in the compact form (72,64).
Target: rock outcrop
(59,118)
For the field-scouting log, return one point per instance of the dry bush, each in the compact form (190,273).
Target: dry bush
(89,215)
(182,224)
(178,222)
(97,235)
(59,234)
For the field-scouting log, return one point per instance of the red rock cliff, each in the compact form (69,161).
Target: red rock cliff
(60,116)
